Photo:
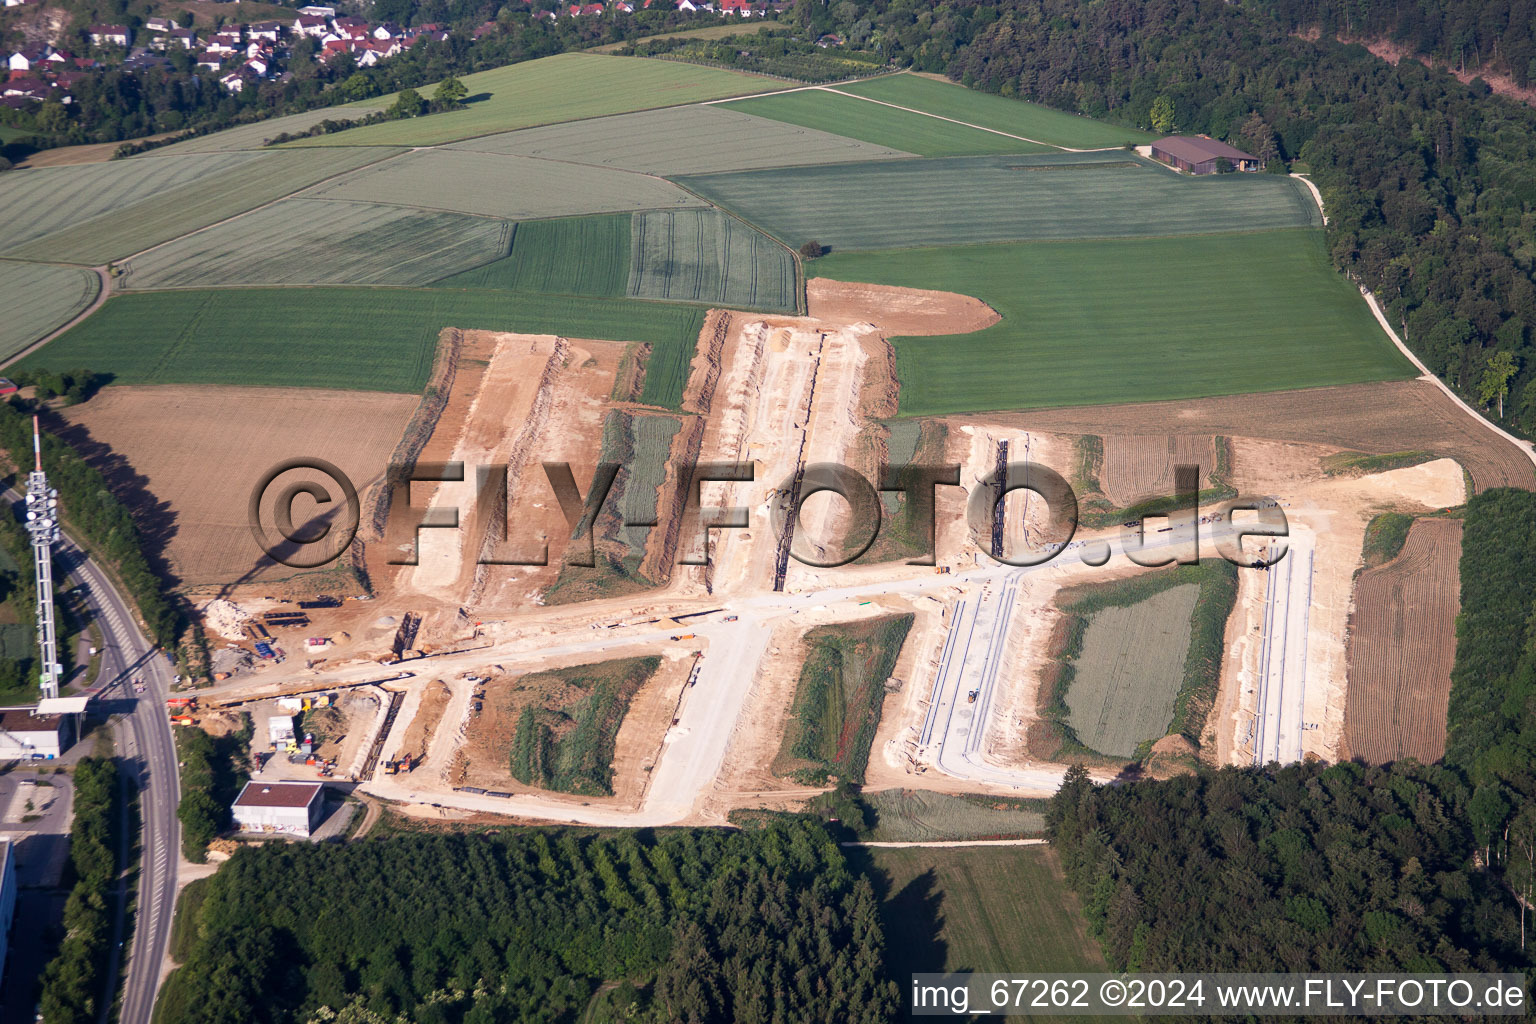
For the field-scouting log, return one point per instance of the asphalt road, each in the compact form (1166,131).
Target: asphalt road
(147,755)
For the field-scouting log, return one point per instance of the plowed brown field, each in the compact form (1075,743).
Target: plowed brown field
(1137,467)
(1402,641)
(185,460)
(1378,418)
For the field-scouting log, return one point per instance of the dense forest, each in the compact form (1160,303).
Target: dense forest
(1430,185)
(755,926)
(1496,35)
(1406,867)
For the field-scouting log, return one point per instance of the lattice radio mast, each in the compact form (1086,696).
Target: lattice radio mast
(43,525)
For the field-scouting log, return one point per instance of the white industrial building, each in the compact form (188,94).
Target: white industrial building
(7,895)
(292,808)
(27,733)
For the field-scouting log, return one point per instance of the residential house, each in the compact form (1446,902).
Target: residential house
(310,25)
(318,10)
(830,39)
(257,66)
(109,35)
(212,59)
(28,57)
(684,5)
(158,24)
(268,30)
(233,81)
(388,30)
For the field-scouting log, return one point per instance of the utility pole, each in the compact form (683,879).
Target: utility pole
(43,525)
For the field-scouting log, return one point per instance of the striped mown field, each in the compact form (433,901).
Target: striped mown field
(492,185)
(311,242)
(162,206)
(696,139)
(44,200)
(957,201)
(708,256)
(37,299)
(256,134)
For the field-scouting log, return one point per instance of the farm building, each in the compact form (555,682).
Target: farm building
(24,733)
(293,808)
(1198,154)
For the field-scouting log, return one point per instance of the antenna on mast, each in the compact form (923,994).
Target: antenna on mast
(43,526)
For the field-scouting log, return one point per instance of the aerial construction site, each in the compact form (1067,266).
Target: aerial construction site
(689,649)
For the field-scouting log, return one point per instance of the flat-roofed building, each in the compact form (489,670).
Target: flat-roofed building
(25,734)
(292,808)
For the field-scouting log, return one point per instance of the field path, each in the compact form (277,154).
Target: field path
(1370,300)
(910,110)
(948,844)
(103,292)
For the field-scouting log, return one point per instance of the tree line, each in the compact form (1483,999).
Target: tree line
(75,980)
(749,926)
(1429,184)
(212,771)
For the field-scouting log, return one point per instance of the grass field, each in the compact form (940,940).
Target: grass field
(709,256)
(564,740)
(569,256)
(37,299)
(837,700)
(255,135)
(159,209)
(881,125)
(34,203)
(1017,117)
(695,139)
(994,909)
(960,201)
(565,87)
(1131,321)
(708,32)
(516,187)
(313,242)
(920,815)
(368,339)
(1129,671)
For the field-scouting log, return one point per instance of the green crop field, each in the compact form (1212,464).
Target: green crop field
(161,209)
(1017,117)
(650,442)
(569,256)
(313,242)
(1129,672)
(695,139)
(881,125)
(838,699)
(517,187)
(995,909)
(255,135)
(565,87)
(998,199)
(709,256)
(37,299)
(369,339)
(1131,321)
(38,202)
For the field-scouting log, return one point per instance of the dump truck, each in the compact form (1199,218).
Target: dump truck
(941,569)
(187,703)
(682,636)
(970,698)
